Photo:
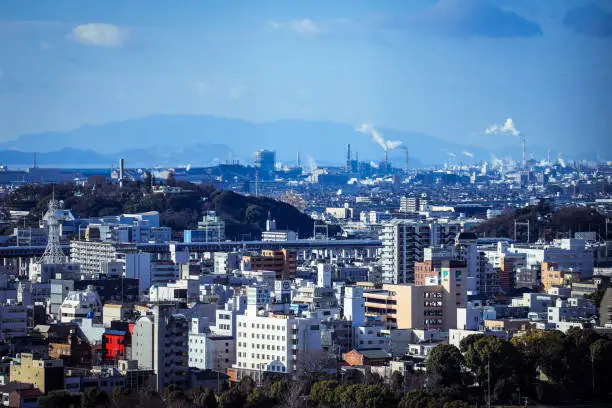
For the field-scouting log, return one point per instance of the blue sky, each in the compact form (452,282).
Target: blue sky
(449,68)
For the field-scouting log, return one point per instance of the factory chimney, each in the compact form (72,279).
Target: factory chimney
(406,163)
(386,160)
(348,157)
(121,171)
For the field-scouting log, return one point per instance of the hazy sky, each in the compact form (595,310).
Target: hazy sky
(449,68)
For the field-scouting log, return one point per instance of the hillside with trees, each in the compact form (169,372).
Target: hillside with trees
(245,216)
(544,223)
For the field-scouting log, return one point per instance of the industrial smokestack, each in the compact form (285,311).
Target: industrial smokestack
(386,160)
(121,169)
(406,163)
(348,157)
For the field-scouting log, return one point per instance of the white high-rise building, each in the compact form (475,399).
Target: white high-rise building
(354,305)
(403,243)
(274,343)
(324,275)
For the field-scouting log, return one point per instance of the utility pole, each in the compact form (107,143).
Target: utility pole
(489,383)
(593,371)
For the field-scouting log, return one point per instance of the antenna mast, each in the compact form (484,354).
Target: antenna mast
(53,253)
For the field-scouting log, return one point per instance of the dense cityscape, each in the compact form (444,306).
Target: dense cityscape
(322,204)
(254,285)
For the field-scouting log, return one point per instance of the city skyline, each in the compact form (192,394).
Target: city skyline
(448,69)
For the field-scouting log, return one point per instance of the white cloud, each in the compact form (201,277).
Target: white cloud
(45,46)
(468,154)
(304,26)
(99,35)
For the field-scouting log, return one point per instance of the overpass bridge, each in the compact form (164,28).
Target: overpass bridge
(22,255)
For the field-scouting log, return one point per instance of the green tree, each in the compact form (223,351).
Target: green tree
(323,392)
(601,352)
(95,398)
(203,398)
(60,399)
(445,366)
(543,351)
(246,385)
(148,398)
(373,396)
(279,389)
(497,359)
(175,395)
(416,399)
(397,382)
(466,342)
(257,398)
(456,404)
(232,398)
(124,398)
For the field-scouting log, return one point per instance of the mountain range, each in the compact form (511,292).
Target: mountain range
(199,140)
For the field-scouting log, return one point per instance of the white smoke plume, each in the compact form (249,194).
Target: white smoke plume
(496,162)
(507,128)
(468,154)
(374,165)
(378,137)
(312,163)
(188,167)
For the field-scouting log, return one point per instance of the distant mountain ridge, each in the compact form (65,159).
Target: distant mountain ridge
(203,140)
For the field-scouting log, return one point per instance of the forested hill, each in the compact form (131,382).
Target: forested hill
(544,222)
(245,216)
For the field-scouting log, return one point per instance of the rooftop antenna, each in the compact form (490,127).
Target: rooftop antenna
(53,253)
(34,164)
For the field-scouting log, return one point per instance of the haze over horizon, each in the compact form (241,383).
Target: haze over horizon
(448,68)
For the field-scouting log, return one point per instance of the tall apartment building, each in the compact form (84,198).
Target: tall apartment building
(265,161)
(403,243)
(92,255)
(408,306)
(413,204)
(283,262)
(159,343)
